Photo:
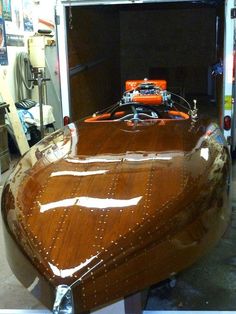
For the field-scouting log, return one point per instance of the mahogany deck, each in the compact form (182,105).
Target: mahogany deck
(115,207)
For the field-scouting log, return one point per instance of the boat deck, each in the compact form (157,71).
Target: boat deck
(208,285)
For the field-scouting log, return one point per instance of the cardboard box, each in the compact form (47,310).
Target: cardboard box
(4,161)
(2,116)
(4,153)
(3,138)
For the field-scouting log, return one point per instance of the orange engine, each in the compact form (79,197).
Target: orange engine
(148,99)
(132,84)
(149,92)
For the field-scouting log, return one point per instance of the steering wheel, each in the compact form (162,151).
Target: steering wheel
(135,115)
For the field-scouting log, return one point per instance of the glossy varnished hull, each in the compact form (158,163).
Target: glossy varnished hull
(115,207)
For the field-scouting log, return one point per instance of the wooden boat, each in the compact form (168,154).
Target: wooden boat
(110,205)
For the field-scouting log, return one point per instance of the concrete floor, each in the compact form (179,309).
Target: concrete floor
(210,284)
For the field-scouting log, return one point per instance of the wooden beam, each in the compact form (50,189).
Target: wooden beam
(17,128)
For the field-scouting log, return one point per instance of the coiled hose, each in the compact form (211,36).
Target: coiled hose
(23,74)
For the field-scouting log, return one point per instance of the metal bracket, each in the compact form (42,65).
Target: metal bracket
(57,20)
(233,13)
(193,112)
(64,300)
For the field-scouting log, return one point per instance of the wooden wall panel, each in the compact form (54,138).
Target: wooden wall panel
(95,36)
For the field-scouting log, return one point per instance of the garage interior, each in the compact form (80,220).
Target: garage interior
(178,42)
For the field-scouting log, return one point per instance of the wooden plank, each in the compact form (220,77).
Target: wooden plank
(18,131)
(135,303)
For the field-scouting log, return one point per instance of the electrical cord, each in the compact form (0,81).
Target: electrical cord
(182,98)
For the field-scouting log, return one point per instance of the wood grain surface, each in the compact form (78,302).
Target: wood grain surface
(111,208)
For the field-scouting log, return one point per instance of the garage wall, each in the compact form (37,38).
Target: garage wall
(175,44)
(44,9)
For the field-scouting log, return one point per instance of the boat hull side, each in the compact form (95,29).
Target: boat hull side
(26,272)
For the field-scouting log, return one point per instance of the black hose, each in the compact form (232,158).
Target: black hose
(23,76)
